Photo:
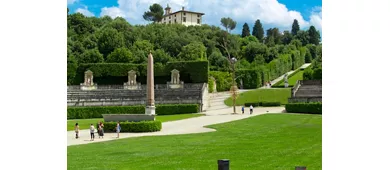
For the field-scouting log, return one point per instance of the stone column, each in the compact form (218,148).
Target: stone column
(150,108)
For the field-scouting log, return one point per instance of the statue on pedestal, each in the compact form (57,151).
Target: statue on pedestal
(175,80)
(132,84)
(88,81)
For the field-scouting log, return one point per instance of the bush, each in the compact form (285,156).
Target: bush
(253,104)
(268,104)
(143,126)
(211,84)
(116,73)
(223,79)
(264,104)
(313,108)
(97,111)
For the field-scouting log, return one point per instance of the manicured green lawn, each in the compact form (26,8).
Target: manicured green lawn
(263,95)
(293,79)
(270,141)
(84,123)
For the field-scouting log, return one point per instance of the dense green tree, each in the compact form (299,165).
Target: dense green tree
(218,62)
(91,56)
(303,36)
(160,56)
(193,51)
(295,27)
(258,31)
(143,45)
(314,36)
(253,49)
(109,39)
(80,24)
(273,37)
(245,31)
(287,37)
(228,23)
(296,43)
(120,55)
(154,14)
(71,67)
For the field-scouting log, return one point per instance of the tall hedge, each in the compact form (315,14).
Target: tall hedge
(250,78)
(116,73)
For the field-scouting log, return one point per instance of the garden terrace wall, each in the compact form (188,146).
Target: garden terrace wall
(113,96)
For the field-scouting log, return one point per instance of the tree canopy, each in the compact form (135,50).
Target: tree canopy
(154,14)
(105,40)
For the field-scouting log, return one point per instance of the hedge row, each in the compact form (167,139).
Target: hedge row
(254,78)
(264,104)
(312,108)
(116,73)
(97,111)
(143,126)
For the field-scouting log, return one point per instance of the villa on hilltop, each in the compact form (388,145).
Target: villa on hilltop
(182,17)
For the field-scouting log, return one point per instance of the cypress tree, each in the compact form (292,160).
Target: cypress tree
(258,31)
(245,31)
(295,27)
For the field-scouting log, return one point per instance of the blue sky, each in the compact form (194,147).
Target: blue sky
(272,13)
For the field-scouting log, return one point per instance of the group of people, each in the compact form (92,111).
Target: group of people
(268,84)
(100,130)
(250,109)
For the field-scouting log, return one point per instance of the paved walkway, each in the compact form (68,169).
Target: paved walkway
(217,113)
(186,126)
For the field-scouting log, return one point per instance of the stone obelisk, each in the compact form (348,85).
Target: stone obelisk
(150,108)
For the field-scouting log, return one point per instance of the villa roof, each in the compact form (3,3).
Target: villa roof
(184,11)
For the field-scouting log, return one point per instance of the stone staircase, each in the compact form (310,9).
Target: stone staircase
(307,91)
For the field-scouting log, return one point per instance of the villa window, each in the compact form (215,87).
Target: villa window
(184,19)
(198,21)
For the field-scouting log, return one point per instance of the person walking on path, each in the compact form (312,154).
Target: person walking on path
(101,130)
(76,129)
(92,129)
(251,109)
(118,129)
(243,109)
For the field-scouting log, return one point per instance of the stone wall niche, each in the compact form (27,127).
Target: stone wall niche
(175,80)
(132,84)
(88,81)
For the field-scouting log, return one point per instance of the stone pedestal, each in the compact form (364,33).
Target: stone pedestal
(132,87)
(88,87)
(150,110)
(175,86)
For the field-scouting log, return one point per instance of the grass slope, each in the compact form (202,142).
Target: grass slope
(263,95)
(84,123)
(293,79)
(271,141)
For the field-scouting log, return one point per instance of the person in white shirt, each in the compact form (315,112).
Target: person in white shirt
(251,109)
(92,129)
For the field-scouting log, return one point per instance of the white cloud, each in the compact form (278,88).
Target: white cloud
(316,18)
(85,12)
(270,12)
(113,12)
(71,1)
